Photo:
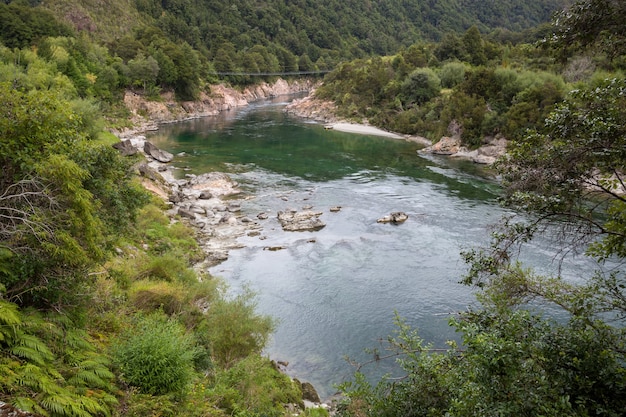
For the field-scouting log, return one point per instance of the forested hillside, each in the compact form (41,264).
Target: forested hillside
(277,36)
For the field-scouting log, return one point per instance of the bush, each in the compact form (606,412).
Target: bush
(150,296)
(452,74)
(235,330)
(421,86)
(156,355)
(254,387)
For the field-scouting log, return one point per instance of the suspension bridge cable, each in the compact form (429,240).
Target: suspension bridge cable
(259,74)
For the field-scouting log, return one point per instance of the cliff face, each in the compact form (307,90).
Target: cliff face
(147,114)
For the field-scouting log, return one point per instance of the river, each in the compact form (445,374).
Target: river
(334,292)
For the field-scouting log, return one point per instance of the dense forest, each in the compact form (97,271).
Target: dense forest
(101,312)
(176,42)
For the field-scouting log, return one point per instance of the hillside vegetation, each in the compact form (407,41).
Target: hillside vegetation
(101,312)
(269,36)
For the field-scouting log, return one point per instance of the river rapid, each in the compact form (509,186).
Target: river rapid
(334,292)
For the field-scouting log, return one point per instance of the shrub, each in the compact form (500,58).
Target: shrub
(452,74)
(169,267)
(156,355)
(421,86)
(144,405)
(234,329)
(254,387)
(154,295)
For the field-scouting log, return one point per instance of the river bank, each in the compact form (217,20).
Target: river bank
(147,115)
(210,203)
(325,112)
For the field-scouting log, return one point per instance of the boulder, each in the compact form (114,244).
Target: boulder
(125,147)
(158,154)
(294,221)
(445,146)
(147,171)
(176,196)
(186,213)
(395,217)
(217,184)
(309,393)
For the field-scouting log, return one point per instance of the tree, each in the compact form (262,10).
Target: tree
(573,168)
(590,23)
(420,86)
(473,43)
(305,63)
(56,200)
(450,48)
(143,71)
(569,176)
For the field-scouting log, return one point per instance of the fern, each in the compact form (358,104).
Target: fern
(31,348)
(9,320)
(69,379)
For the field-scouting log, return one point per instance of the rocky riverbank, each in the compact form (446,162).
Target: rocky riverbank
(147,115)
(210,203)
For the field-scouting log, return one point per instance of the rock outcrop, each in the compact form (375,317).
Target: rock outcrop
(486,154)
(147,115)
(298,221)
(313,108)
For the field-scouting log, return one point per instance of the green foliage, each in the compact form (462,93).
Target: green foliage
(584,141)
(235,330)
(145,405)
(253,387)
(22,26)
(470,112)
(452,74)
(62,188)
(50,367)
(164,236)
(156,355)
(511,362)
(473,44)
(420,86)
(590,24)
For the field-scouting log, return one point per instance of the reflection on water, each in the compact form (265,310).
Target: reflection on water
(334,291)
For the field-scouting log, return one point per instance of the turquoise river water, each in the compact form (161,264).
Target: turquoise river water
(334,292)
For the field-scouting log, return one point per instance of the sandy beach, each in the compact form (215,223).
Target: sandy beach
(363,129)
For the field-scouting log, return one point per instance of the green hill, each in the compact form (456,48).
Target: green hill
(324,31)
